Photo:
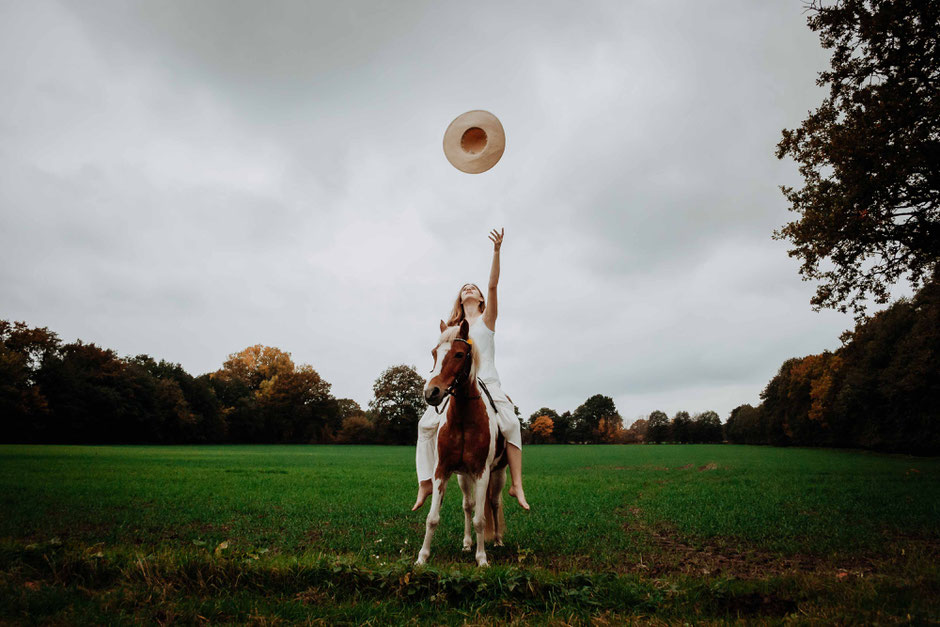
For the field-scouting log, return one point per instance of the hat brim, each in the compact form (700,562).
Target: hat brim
(469,162)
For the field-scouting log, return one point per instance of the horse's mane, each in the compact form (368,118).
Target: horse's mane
(449,334)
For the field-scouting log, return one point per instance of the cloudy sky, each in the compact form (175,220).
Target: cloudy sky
(185,179)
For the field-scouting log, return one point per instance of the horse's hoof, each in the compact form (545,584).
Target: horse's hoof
(467,547)
(499,542)
(482,563)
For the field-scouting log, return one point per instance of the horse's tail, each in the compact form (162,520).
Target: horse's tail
(489,527)
(494,526)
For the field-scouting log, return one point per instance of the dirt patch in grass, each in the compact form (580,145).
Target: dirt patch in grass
(193,528)
(315,537)
(756,604)
(675,553)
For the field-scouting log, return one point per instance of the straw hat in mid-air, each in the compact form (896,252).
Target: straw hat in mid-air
(474,141)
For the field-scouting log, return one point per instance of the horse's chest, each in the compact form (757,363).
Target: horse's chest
(462,450)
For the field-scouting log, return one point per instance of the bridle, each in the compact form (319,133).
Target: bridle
(463,374)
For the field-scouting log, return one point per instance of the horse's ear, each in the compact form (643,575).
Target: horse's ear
(443,326)
(464,330)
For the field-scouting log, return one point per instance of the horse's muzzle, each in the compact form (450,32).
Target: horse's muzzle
(433,395)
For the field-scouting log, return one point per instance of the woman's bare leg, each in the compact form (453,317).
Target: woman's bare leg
(424,491)
(515,471)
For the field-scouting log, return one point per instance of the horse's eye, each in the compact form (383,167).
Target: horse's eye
(458,355)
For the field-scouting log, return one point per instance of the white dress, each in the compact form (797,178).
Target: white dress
(483,342)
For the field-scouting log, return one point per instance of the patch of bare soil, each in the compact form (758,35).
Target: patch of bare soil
(313,537)
(675,554)
(756,604)
(193,527)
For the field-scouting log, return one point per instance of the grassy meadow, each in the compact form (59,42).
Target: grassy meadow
(124,534)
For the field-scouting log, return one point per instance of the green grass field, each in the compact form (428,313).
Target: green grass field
(324,534)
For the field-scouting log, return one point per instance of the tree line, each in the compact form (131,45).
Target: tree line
(597,421)
(79,393)
(54,392)
(880,390)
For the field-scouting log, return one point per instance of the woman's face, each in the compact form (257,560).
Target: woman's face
(470,292)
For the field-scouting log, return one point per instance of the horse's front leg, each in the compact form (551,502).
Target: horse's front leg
(469,496)
(479,522)
(434,517)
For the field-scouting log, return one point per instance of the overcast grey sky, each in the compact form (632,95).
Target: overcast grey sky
(185,179)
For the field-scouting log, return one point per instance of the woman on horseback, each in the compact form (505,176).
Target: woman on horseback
(470,306)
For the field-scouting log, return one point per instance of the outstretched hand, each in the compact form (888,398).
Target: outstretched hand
(497,239)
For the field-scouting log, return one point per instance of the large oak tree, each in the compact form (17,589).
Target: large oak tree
(398,404)
(869,207)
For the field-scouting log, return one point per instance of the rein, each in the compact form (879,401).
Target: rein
(452,388)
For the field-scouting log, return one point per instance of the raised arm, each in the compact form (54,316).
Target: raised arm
(489,314)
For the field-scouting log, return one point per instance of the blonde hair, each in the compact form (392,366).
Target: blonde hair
(457,314)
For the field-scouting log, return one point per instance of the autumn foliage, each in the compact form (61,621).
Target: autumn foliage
(54,392)
(541,429)
(880,390)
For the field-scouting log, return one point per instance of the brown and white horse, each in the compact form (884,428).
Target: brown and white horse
(468,443)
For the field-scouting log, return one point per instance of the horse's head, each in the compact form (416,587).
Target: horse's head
(454,362)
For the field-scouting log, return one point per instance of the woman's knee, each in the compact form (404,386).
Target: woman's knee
(429,422)
(512,431)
